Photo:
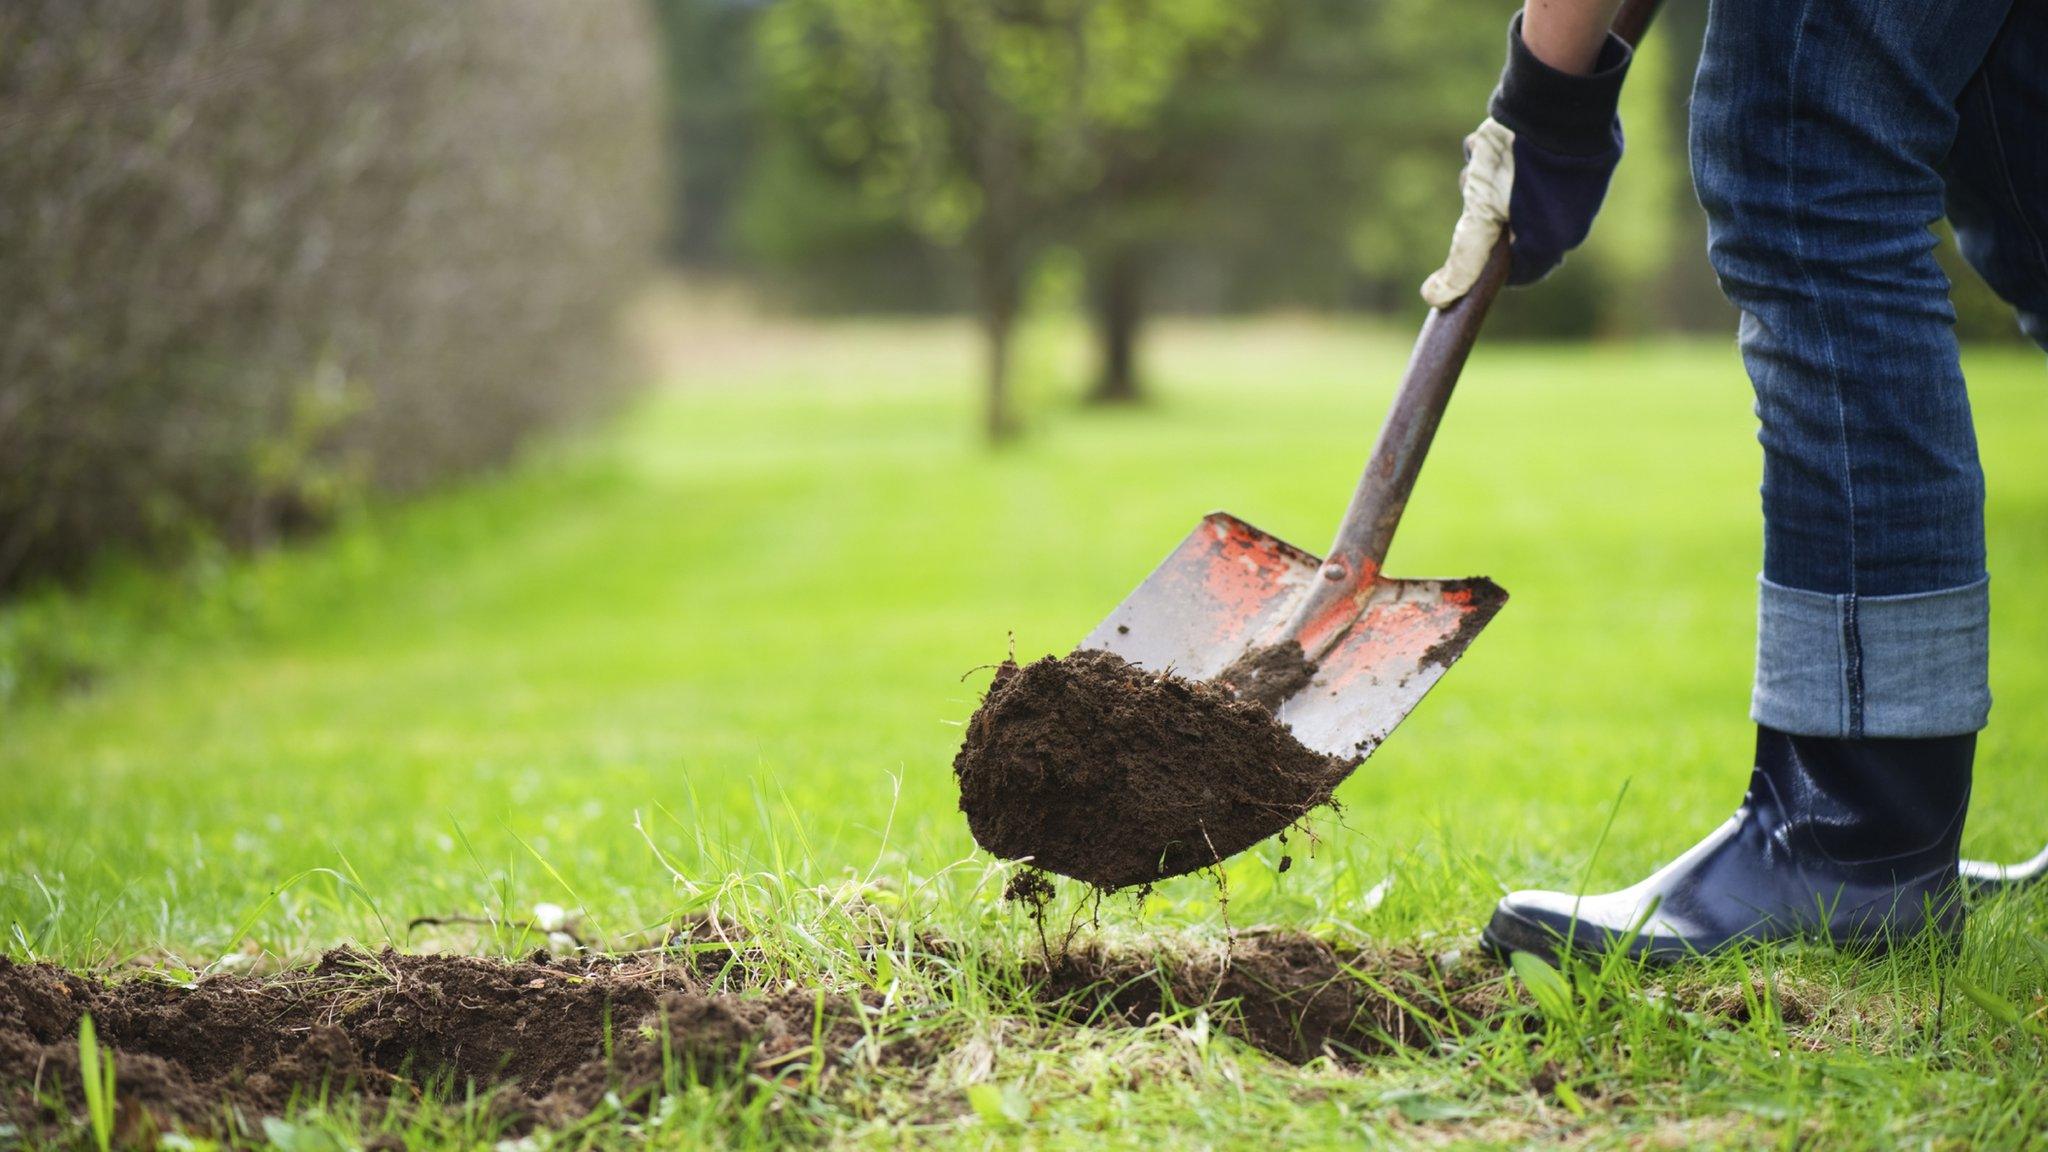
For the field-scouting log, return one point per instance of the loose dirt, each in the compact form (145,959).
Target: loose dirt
(1487,598)
(1098,770)
(1268,676)
(1290,995)
(545,1041)
(219,1053)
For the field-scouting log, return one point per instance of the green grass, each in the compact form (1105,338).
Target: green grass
(734,635)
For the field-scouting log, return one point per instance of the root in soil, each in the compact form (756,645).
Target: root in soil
(1098,770)
(545,1042)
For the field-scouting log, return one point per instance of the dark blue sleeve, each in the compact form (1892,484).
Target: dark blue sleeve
(1567,142)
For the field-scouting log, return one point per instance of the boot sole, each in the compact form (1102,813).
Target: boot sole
(1507,933)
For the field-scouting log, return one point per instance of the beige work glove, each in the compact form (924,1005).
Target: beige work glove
(1487,183)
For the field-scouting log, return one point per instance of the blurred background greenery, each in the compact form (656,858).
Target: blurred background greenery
(269,258)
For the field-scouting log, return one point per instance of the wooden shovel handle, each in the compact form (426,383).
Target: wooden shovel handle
(1440,351)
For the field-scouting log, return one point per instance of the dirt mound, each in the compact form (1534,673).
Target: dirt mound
(219,1053)
(1290,995)
(1101,771)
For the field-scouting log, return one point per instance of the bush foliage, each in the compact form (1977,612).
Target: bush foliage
(263,257)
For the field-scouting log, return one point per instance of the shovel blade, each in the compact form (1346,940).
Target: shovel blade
(1229,586)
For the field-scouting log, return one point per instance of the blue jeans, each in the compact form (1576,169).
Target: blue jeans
(1827,137)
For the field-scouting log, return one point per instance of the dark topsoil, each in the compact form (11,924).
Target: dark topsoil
(220,1054)
(1268,676)
(1295,997)
(535,1030)
(1096,769)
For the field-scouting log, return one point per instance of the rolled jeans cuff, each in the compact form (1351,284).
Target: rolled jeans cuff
(1894,667)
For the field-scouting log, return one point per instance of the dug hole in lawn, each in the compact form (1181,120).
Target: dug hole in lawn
(1096,769)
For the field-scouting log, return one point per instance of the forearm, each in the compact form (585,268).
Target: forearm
(1567,34)
(1538,167)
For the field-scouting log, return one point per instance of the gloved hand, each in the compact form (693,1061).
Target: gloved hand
(1539,166)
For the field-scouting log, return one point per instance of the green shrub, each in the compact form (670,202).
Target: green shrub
(264,256)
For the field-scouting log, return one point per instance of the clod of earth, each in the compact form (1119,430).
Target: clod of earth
(1101,771)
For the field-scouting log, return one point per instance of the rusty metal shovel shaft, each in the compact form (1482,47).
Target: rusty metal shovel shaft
(1378,643)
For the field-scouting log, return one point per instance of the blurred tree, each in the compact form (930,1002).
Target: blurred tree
(713,121)
(754,199)
(987,125)
(1157,193)
(812,240)
(1307,158)
(1295,166)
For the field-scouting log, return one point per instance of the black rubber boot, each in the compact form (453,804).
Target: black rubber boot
(1852,842)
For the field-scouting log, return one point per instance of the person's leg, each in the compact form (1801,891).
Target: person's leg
(1819,131)
(1998,202)
(1998,170)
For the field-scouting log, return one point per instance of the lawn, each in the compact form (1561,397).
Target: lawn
(713,657)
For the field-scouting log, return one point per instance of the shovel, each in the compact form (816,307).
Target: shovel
(1230,593)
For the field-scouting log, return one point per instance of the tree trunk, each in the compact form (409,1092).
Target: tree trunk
(997,418)
(1119,310)
(1000,287)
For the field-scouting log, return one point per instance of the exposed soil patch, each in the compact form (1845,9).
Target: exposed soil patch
(1290,995)
(1268,676)
(552,1038)
(1104,772)
(548,1040)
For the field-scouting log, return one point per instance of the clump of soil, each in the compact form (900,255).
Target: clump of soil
(550,1038)
(1290,995)
(1099,770)
(1268,676)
